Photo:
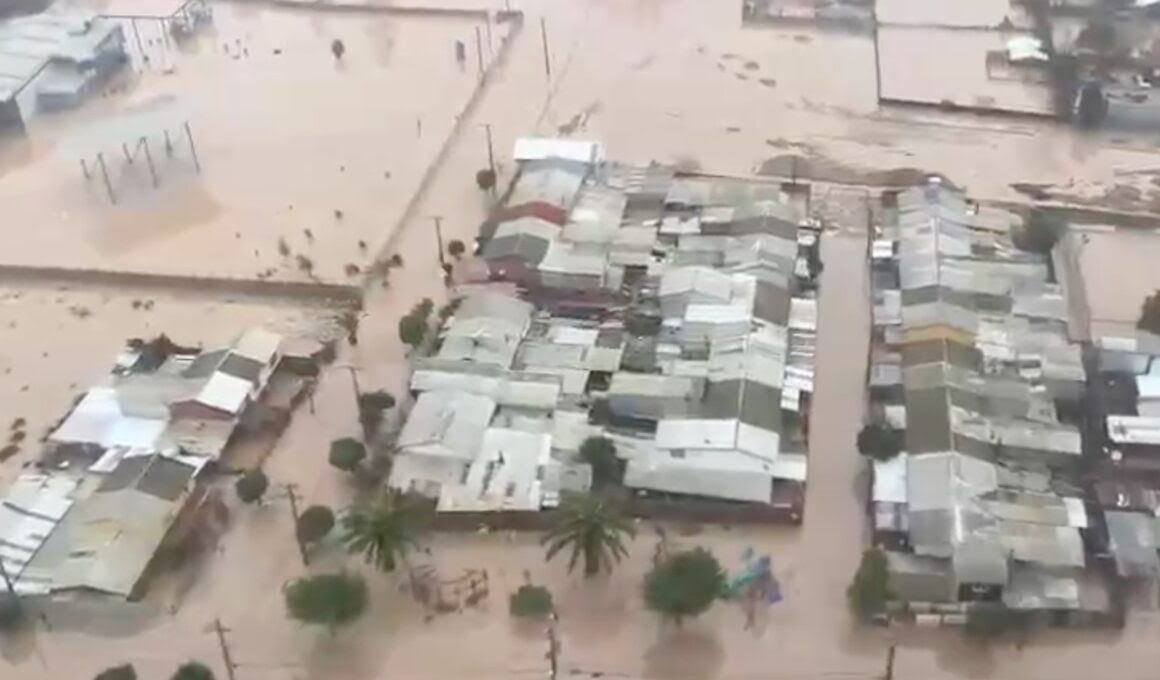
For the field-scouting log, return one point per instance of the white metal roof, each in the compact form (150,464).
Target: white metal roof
(890,480)
(506,474)
(696,434)
(97,419)
(258,344)
(541,148)
(1133,429)
(225,392)
(30,511)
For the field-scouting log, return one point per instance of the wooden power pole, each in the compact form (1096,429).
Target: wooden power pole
(292,494)
(227,658)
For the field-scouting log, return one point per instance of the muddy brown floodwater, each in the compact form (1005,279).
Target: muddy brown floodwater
(654,79)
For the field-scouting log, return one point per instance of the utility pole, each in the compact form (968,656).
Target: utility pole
(479,51)
(491,159)
(889,675)
(544,38)
(553,648)
(292,494)
(439,241)
(226,658)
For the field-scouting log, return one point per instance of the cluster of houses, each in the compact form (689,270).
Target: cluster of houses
(675,316)
(117,478)
(1029,471)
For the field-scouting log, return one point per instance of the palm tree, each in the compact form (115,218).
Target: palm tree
(383,533)
(592,529)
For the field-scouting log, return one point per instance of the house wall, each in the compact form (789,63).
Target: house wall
(514,269)
(194,410)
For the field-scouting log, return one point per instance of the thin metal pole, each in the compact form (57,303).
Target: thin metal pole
(479,50)
(439,240)
(149,160)
(227,659)
(293,496)
(105,176)
(490,152)
(168,145)
(354,381)
(490,48)
(140,45)
(544,39)
(84,168)
(128,157)
(192,148)
(553,648)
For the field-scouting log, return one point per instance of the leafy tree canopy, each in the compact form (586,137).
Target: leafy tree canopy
(331,600)
(314,523)
(880,441)
(252,485)
(347,454)
(869,592)
(530,601)
(684,584)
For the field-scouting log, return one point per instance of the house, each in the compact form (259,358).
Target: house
(54,60)
(441,438)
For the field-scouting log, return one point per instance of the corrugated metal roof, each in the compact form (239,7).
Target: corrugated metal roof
(540,148)
(449,424)
(890,480)
(1133,429)
(225,392)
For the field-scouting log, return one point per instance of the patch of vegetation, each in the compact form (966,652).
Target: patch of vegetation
(456,248)
(331,600)
(314,523)
(252,486)
(600,453)
(347,454)
(531,602)
(1150,314)
(684,584)
(192,670)
(592,530)
(123,672)
(372,408)
(870,590)
(880,441)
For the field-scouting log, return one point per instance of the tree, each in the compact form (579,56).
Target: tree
(880,441)
(485,179)
(123,672)
(384,533)
(1150,314)
(314,523)
(11,610)
(331,600)
(593,530)
(684,584)
(251,486)
(1040,233)
(1093,106)
(371,406)
(600,453)
(530,601)
(869,592)
(349,321)
(412,329)
(192,670)
(456,248)
(347,454)
(337,48)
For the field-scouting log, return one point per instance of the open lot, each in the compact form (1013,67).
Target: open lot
(287,137)
(1118,269)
